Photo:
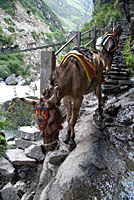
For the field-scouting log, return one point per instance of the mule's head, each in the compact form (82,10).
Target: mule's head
(47,116)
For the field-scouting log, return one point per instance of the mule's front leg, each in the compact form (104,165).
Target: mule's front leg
(68,106)
(75,111)
(99,95)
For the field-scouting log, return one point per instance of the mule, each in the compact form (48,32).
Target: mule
(108,44)
(70,82)
(107,49)
(48,119)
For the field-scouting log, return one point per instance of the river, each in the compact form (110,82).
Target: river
(9,92)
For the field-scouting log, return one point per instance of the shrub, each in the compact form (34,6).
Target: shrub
(12,63)
(1,29)
(15,67)
(3,144)
(9,21)
(34,35)
(8,6)
(59,36)
(11,29)
(24,113)
(105,13)
(3,125)
(6,39)
(128,57)
(4,71)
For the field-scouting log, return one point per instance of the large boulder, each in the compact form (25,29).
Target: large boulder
(18,157)
(11,80)
(8,192)
(6,168)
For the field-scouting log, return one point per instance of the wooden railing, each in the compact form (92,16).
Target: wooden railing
(48,58)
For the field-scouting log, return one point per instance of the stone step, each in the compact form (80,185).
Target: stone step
(30,133)
(118,77)
(116,68)
(18,157)
(118,73)
(117,83)
(110,82)
(114,89)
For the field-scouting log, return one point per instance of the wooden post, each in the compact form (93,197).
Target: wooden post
(77,39)
(48,64)
(93,37)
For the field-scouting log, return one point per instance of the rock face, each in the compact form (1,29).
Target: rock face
(127,7)
(8,192)
(6,168)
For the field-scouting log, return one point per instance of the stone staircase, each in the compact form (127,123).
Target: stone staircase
(118,79)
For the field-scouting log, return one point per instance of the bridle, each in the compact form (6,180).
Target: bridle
(43,112)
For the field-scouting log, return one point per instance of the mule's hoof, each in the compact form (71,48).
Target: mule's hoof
(43,149)
(66,140)
(72,145)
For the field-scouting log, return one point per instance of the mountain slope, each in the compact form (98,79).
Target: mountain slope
(25,25)
(72,14)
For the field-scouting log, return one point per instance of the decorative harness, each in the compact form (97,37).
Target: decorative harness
(41,116)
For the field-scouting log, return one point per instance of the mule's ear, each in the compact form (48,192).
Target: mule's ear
(51,101)
(29,101)
(44,92)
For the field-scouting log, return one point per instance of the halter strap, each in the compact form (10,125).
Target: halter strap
(43,108)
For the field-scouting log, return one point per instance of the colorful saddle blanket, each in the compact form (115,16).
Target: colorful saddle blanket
(88,66)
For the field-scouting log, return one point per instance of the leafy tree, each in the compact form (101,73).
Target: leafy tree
(128,57)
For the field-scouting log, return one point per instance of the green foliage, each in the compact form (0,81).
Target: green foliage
(3,124)
(31,6)
(11,29)
(3,145)
(34,35)
(6,39)
(15,67)
(9,21)
(1,29)
(59,36)
(72,14)
(8,6)
(18,113)
(4,71)
(60,59)
(128,57)
(105,13)
(12,63)
(49,39)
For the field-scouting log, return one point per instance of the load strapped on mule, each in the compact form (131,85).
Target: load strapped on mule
(108,43)
(101,41)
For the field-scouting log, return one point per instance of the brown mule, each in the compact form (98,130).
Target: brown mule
(70,82)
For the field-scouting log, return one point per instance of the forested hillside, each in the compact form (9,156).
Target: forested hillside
(25,22)
(72,14)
